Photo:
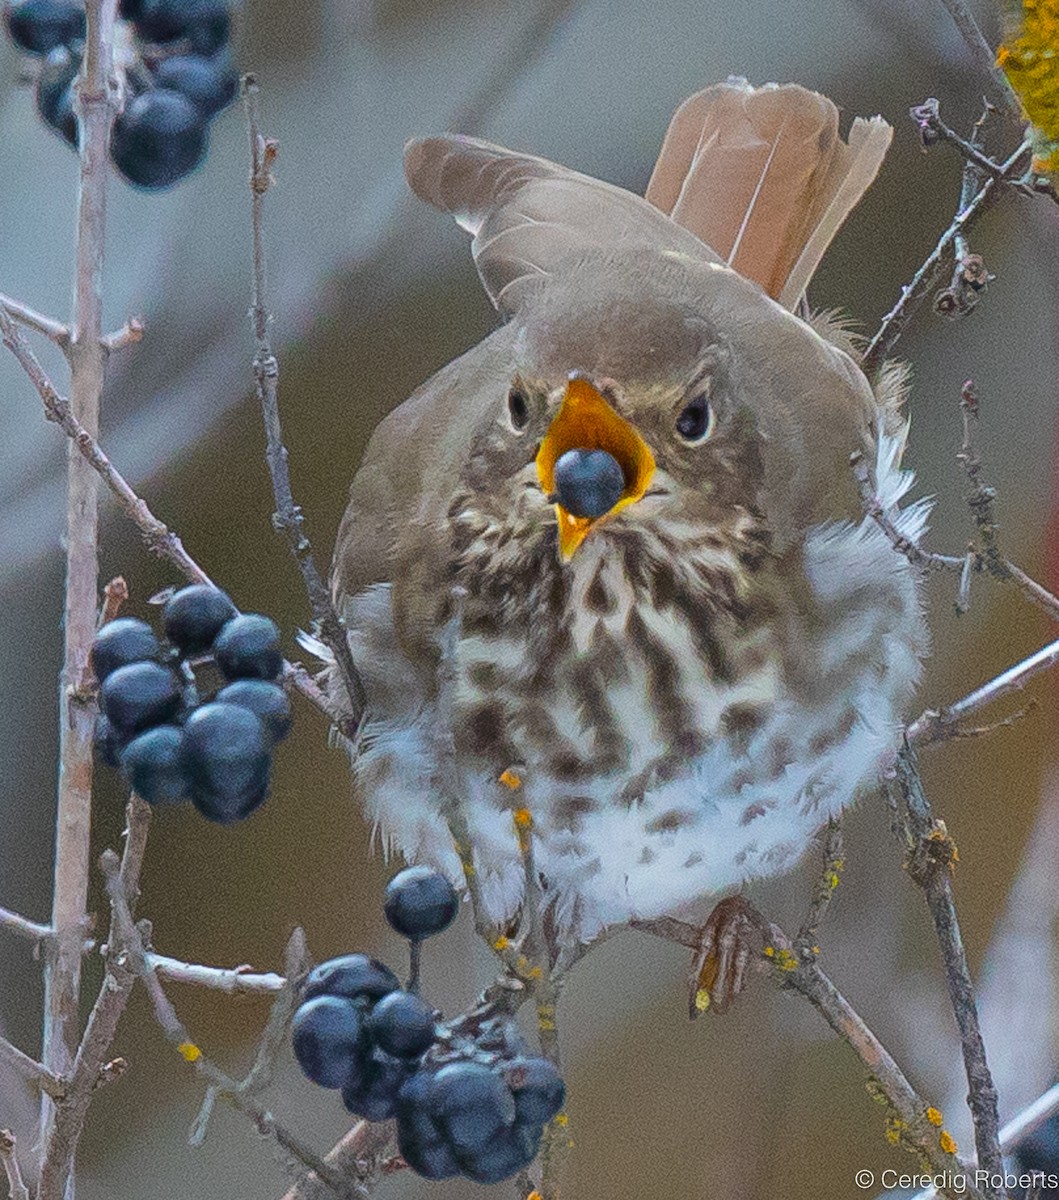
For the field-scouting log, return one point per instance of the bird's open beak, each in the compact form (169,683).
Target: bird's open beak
(585,421)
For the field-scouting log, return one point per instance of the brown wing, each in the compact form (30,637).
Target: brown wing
(527,214)
(762,176)
(406,481)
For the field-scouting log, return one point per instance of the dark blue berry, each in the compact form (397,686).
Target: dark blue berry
(471,1104)
(195,615)
(121,642)
(373,1095)
(153,763)
(1039,1152)
(504,1155)
(421,1143)
(206,24)
(330,1042)
(248,648)
(55,96)
(140,695)
(108,741)
(228,760)
(355,976)
(420,902)
(209,83)
(159,138)
(538,1089)
(403,1025)
(39,26)
(268,700)
(588,483)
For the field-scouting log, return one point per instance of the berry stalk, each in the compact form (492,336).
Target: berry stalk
(87,359)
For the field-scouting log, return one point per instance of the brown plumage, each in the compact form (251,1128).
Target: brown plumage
(690,682)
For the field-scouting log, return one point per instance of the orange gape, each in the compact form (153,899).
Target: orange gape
(586,421)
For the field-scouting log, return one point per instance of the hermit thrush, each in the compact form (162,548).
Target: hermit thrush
(613,556)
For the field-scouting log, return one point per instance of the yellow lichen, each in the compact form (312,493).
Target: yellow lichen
(786,961)
(895,1127)
(1029,57)
(190,1052)
(501,944)
(946,1142)
(511,779)
(933,1116)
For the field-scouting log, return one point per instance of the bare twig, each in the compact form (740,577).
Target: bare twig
(160,540)
(31,1070)
(91,1060)
(128,335)
(935,725)
(234,980)
(912,1123)
(354,1157)
(62,974)
(1018,1128)
(23,927)
(158,537)
(826,885)
(893,324)
(985,59)
(222,1084)
(16,1187)
(932,854)
(928,117)
(288,517)
(55,331)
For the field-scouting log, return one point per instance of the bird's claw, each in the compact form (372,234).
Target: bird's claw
(724,955)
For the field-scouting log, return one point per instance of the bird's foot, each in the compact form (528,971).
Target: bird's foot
(728,944)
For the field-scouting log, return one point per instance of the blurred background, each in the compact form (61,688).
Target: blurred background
(371,293)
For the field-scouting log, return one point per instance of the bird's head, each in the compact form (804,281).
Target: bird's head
(656,400)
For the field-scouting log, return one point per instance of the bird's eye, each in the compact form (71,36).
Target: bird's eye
(695,423)
(518,408)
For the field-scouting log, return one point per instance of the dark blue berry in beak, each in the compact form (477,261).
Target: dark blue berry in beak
(588,483)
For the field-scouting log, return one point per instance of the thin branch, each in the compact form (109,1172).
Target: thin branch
(931,857)
(128,335)
(130,937)
(31,1070)
(353,1157)
(911,1122)
(233,980)
(288,517)
(23,927)
(16,1187)
(160,540)
(985,59)
(893,324)
(91,1061)
(935,725)
(1032,1117)
(928,117)
(94,105)
(55,331)
(826,885)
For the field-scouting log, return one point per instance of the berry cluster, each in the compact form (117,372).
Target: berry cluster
(170,746)
(467,1103)
(178,76)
